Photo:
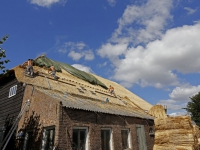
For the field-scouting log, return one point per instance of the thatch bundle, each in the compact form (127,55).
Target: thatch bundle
(175,133)
(179,122)
(173,147)
(157,111)
(175,136)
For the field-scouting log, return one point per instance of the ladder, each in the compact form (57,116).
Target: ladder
(14,126)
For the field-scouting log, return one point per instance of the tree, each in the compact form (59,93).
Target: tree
(193,108)
(3,61)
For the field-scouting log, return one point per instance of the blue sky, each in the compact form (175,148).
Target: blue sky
(149,46)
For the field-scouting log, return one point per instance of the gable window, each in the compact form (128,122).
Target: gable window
(80,138)
(125,134)
(12,91)
(48,138)
(106,139)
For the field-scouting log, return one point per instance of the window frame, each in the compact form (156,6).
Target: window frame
(48,128)
(12,91)
(111,142)
(129,137)
(86,134)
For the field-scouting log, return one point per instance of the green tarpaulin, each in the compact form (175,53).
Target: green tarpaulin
(44,61)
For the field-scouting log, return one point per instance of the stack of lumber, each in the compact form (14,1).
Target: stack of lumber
(174,133)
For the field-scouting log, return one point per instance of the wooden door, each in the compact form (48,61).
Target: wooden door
(141,137)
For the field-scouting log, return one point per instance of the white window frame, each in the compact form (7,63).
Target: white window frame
(129,138)
(13,91)
(111,138)
(87,136)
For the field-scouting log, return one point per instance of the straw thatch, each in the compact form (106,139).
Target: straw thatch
(175,136)
(173,147)
(157,111)
(175,133)
(179,122)
(72,85)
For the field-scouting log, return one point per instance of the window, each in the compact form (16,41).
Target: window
(125,134)
(80,138)
(106,139)
(12,91)
(28,140)
(48,138)
(2,132)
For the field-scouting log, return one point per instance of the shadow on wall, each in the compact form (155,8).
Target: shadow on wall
(30,135)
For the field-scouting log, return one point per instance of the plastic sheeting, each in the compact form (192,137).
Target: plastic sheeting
(44,61)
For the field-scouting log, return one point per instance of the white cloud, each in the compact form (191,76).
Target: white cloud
(112,2)
(184,93)
(76,50)
(178,114)
(89,55)
(152,16)
(172,104)
(160,54)
(47,3)
(75,55)
(190,10)
(83,68)
(179,98)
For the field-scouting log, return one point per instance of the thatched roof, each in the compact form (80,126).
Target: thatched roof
(80,94)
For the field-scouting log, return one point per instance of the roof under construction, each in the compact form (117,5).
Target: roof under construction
(75,91)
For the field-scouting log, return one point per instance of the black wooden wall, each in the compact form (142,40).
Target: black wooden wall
(9,107)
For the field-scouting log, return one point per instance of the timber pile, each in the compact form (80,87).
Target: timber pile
(174,133)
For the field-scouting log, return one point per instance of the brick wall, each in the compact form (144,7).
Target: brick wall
(42,112)
(96,121)
(46,111)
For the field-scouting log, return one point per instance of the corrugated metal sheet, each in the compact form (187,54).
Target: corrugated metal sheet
(70,101)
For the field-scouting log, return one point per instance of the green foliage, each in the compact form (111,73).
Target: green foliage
(193,108)
(3,59)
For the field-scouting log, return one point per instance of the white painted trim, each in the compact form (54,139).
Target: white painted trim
(87,136)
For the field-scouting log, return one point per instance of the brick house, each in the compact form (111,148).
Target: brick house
(72,113)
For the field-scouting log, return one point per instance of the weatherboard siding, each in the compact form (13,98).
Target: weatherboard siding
(10,106)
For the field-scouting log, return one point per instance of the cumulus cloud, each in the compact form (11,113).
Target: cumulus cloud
(83,68)
(179,97)
(47,3)
(190,10)
(112,2)
(74,55)
(151,55)
(76,50)
(152,15)
(184,93)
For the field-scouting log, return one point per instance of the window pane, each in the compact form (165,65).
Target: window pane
(105,139)
(48,139)
(1,135)
(79,139)
(124,134)
(75,139)
(28,141)
(12,91)
(82,139)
